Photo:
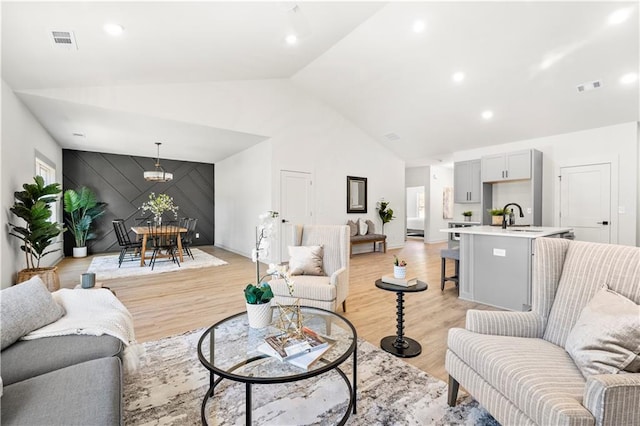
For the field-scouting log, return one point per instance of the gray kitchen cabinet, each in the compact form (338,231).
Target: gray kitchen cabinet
(508,166)
(466,182)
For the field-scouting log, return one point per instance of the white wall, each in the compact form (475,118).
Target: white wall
(242,193)
(22,135)
(618,144)
(315,139)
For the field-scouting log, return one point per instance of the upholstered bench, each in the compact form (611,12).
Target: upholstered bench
(368,239)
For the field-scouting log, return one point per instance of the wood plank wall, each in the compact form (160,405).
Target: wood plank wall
(118,181)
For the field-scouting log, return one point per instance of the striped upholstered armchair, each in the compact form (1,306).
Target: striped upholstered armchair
(330,287)
(538,367)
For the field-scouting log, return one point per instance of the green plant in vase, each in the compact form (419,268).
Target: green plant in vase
(81,208)
(385,213)
(33,206)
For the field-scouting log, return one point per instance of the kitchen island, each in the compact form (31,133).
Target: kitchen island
(496,265)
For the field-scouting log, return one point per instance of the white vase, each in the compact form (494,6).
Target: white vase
(399,272)
(80,252)
(259,315)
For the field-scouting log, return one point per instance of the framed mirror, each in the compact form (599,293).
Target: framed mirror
(356,194)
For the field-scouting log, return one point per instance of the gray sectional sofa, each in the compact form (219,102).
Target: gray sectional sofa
(65,380)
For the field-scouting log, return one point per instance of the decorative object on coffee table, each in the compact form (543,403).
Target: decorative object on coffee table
(258,298)
(400,345)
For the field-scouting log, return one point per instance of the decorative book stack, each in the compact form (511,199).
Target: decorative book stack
(300,352)
(404,282)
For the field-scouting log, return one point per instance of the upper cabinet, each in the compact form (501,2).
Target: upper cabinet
(466,181)
(509,166)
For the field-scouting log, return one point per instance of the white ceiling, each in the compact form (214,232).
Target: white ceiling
(361,58)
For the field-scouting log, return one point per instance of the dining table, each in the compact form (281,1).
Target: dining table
(144,231)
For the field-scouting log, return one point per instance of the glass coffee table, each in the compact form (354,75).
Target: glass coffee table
(228,349)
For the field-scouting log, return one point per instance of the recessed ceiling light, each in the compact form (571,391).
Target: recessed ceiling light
(291,39)
(629,78)
(619,16)
(487,115)
(113,29)
(419,26)
(457,77)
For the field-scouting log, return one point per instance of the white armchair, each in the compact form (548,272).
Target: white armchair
(326,292)
(515,363)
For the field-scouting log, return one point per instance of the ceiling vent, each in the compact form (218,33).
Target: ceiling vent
(64,39)
(585,87)
(392,137)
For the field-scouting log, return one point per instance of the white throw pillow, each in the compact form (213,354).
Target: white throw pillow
(606,337)
(306,260)
(362,227)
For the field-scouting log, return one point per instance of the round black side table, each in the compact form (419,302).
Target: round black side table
(400,345)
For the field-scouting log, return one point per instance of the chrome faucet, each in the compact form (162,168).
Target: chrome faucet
(504,213)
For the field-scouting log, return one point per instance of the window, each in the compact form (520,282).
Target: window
(48,173)
(420,200)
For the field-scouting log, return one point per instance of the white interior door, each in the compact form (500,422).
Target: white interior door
(585,201)
(296,205)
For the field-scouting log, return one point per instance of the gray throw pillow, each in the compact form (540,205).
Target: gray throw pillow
(353,228)
(606,337)
(371,227)
(26,307)
(306,260)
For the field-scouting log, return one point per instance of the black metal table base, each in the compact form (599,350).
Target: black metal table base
(405,348)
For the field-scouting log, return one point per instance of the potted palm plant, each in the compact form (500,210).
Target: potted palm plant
(81,208)
(33,206)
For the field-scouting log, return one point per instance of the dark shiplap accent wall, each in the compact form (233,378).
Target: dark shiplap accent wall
(117,180)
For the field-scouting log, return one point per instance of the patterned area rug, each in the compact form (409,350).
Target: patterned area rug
(106,267)
(169,386)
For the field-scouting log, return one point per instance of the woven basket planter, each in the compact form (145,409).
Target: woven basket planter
(48,275)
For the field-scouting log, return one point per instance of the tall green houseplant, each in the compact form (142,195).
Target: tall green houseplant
(33,205)
(81,208)
(385,213)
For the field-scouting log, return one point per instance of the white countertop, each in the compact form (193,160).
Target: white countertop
(513,231)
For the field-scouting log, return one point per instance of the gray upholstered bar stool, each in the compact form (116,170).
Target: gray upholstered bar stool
(445,254)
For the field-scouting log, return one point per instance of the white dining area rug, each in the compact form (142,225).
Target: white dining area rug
(106,267)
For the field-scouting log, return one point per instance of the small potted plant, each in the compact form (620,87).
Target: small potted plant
(257,299)
(467,215)
(399,268)
(496,216)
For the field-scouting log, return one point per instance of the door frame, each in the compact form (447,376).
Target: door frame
(592,161)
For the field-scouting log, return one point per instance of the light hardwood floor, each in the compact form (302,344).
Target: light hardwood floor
(166,304)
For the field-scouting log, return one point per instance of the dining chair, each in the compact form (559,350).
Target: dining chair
(163,237)
(187,237)
(125,243)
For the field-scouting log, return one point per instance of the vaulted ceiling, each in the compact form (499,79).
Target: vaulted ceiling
(387,67)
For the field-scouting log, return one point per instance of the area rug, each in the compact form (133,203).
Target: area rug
(106,267)
(169,386)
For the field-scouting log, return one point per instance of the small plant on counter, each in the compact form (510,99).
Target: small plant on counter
(468,213)
(398,262)
(496,212)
